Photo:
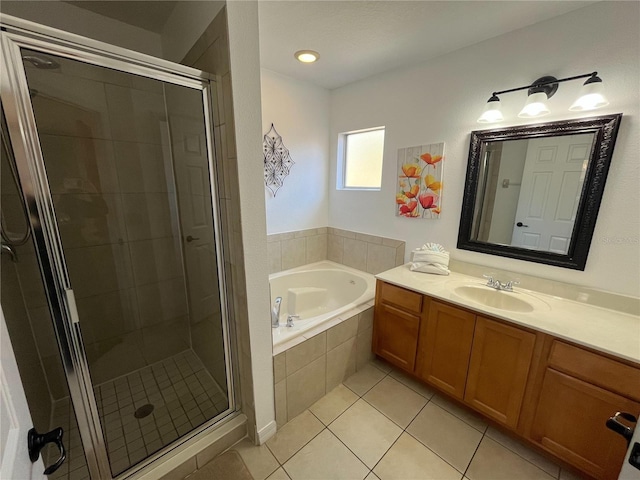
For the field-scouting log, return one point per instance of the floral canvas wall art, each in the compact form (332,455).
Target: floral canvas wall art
(419,193)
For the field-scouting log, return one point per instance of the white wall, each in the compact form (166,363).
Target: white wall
(441,100)
(185,25)
(300,114)
(244,54)
(67,17)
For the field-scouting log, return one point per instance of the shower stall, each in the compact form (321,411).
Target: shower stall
(112,284)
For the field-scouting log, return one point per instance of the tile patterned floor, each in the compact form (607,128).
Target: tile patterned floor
(184,396)
(381,424)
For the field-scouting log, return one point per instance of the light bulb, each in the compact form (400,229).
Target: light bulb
(591,96)
(307,56)
(536,106)
(492,111)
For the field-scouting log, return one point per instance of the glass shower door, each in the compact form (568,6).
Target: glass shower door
(128,174)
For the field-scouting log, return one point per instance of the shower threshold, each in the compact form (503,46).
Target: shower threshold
(142,412)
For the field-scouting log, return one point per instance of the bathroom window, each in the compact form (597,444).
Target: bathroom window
(360,159)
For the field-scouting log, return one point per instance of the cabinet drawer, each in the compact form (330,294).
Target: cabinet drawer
(406,299)
(596,369)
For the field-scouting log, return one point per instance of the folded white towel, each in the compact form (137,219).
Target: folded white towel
(434,247)
(434,268)
(430,258)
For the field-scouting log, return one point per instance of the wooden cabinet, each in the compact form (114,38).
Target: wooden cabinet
(570,422)
(498,370)
(444,347)
(396,325)
(550,392)
(577,391)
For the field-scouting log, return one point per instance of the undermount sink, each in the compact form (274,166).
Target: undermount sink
(490,297)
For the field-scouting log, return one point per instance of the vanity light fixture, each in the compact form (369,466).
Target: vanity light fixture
(591,97)
(307,56)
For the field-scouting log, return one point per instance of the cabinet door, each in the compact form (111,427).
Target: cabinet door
(570,422)
(396,336)
(498,370)
(444,348)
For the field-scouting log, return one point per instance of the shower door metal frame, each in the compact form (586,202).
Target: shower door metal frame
(16,102)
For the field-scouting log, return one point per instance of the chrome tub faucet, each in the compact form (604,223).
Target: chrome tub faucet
(275,313)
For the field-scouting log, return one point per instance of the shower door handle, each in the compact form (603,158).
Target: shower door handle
(36,442)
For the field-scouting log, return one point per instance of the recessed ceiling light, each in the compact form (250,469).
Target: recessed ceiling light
(307,56)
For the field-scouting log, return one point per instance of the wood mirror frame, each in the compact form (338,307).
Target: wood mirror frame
(605,129)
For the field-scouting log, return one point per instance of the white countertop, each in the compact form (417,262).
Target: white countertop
(608,331)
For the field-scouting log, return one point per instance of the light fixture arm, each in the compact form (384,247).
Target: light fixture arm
(545,81)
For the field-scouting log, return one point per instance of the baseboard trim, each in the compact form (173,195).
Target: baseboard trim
(266,432)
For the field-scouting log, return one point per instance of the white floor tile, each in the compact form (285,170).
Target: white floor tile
(325,458)
(366,432)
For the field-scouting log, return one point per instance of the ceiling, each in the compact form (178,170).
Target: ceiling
(357,39)
(149,15)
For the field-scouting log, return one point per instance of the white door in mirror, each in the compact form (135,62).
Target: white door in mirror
(554,172)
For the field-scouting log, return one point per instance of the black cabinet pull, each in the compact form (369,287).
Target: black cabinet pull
(36,442)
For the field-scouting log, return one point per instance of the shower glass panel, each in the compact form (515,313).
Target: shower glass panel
(24,304)
(127,164)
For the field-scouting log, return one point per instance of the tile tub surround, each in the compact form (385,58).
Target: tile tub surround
(608,331)
(368,253)
(320,362)
(365,252)
(381,424)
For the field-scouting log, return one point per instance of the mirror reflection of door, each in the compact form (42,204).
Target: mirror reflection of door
(554,171)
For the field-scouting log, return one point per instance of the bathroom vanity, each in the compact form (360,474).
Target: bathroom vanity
(550,370)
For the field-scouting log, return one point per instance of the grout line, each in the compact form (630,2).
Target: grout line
(304,445)
(352,452)
(473,456)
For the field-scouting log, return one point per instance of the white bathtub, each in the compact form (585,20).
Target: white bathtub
(319,293)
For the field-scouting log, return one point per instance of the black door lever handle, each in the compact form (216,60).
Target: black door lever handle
(36,442)
(617,426)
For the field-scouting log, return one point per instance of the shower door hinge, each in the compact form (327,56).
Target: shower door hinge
(71,303)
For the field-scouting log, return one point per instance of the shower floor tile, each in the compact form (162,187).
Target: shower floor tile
(142,412)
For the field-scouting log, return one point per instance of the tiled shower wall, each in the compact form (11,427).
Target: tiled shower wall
(210,53)
(368,253)
(113,190)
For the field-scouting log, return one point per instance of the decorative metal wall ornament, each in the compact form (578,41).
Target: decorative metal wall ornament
(277,161)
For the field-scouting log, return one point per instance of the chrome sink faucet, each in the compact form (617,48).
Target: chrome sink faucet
(498,285)
(275,313)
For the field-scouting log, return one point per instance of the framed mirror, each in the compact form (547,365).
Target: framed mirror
(533,192)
